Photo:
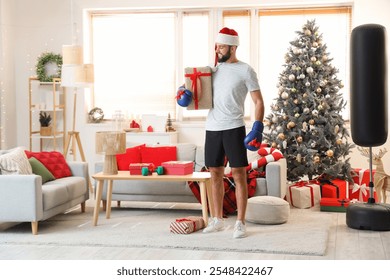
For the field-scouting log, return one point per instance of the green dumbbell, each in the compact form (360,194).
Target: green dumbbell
(145,171)
(160,170)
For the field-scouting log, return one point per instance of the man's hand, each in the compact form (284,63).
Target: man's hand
(253,140)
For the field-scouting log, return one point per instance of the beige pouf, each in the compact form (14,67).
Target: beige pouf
(269,210)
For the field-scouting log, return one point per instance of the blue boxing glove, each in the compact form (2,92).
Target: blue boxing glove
(253,140)
(183,96)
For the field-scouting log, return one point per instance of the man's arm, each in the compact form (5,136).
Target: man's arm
(257,98)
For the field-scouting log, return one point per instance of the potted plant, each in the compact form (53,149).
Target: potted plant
(45,120)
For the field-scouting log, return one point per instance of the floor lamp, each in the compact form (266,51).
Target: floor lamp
(75,74)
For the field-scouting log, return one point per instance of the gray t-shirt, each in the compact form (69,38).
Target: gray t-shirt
(231,84)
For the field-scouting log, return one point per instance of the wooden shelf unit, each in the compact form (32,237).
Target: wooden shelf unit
(52,101)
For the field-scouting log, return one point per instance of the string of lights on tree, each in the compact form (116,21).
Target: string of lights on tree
(305,122)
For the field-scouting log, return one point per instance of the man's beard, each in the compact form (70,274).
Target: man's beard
(225,57)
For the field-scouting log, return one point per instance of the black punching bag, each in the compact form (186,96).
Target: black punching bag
(368,97)
(368,115)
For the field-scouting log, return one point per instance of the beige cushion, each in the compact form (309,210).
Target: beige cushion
(15,162)
(269,210)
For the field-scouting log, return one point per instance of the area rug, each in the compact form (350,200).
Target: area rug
(305,233)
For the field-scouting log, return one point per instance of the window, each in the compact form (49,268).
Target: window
(196,49)
(277,28)
(134,57)
(140,57)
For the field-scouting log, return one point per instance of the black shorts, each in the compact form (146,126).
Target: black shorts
(229,143)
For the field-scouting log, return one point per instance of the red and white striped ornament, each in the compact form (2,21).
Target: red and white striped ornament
(267,155)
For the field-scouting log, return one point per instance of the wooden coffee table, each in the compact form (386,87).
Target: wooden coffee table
(203,178)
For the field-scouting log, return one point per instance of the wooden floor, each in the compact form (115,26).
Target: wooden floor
(344,244)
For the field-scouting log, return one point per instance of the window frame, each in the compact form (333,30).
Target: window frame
(216,19)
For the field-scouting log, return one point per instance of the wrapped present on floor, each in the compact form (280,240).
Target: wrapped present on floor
(360,190)
(329,204)
(335,188)
(187,225)
(304,194)
(198,81)
(178,167)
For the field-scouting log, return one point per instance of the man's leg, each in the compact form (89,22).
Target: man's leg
(217,189)
(240,180)
(216,223)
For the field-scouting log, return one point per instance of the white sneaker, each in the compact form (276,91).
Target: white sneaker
(215,224)
(239,230)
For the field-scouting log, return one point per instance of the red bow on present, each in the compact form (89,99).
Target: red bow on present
(194,77)
(187,220)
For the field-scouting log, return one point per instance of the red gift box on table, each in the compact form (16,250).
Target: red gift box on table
(178,167)
(136,168)
(198,81)
(335,188)
(330,204)
(304,194)
(360,190)
(187,225)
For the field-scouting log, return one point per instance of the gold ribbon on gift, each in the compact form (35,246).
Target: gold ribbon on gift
(362,188)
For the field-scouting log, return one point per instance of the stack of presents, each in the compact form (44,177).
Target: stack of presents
(331,195)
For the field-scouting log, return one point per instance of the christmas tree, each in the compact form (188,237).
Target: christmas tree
(305,122)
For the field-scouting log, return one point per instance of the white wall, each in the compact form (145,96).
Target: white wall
(42,25)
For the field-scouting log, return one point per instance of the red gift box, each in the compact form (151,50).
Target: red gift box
(330,204)
(335,188)
(187,225)
(304,194)
(136,168)
(360,190)
(178,167)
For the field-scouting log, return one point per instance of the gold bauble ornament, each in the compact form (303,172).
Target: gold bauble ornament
(281,136)
(329,153)
(316,159)
(339,141)
(291,125)
(311,122)
(273,145)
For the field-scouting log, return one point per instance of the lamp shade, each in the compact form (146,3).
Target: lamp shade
(84,74)
(68,76)
(110,142)
(72,55)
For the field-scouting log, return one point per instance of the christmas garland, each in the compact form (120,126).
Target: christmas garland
(45,58)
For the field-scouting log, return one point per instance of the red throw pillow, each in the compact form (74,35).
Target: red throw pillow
(54,161)
(158,154)
(132,155)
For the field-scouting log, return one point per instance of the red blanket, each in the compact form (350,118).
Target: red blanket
(229,202)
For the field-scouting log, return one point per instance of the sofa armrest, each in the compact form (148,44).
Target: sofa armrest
(21,198)
(276,177)
(99,166)
(79,168)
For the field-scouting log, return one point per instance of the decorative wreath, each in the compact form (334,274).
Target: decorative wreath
(96,115)
(43,59)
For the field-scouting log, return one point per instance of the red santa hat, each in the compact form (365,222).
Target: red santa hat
(227,36)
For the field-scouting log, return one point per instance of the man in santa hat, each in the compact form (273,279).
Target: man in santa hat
(225,128)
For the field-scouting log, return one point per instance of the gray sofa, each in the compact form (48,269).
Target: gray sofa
(23,198)
(274,184)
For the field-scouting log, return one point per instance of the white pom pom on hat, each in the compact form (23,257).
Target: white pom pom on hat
(227,36)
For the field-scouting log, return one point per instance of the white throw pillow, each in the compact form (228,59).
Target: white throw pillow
(15,162)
